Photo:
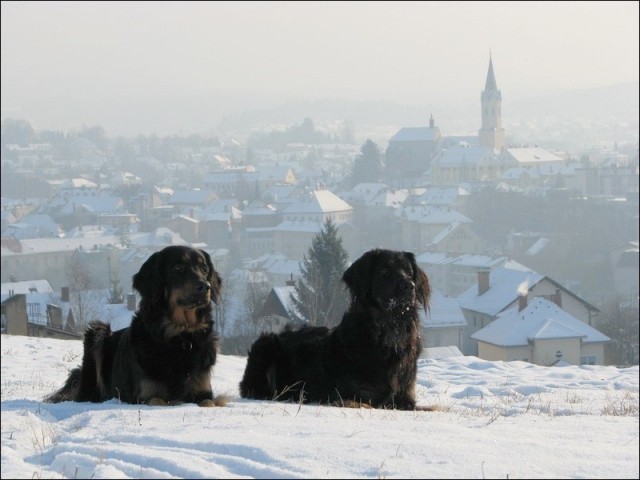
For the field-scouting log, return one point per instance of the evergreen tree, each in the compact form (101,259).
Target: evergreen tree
(116,294)
(320,296)
(367,166)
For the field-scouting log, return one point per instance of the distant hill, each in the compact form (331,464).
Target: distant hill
(620,100)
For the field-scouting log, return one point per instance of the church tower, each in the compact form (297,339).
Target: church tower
(491,134)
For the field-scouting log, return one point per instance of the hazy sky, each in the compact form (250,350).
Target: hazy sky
(91,62)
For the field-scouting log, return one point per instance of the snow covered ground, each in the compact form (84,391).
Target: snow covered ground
(496,420)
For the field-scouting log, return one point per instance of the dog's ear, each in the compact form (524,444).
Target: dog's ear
(149,279)
(358,276)
(421,281)
(214,278)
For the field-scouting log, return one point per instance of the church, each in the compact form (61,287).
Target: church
(416,152)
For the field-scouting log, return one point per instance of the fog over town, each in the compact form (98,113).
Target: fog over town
(497,141)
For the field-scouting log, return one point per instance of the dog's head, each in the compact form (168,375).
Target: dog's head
(387,279)
(179,276)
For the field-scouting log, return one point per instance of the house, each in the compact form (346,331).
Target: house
(540,332)
(624,262)
(444,324)
(259,221)
(498,291)
(444,229)
(276,310)
(32,226)
(304,219)
(278,268)
(49,257)
(191,198)
(246,180)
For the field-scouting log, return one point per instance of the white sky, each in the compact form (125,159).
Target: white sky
(402,51)
(498,420)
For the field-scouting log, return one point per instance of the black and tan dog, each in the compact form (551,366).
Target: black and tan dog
(167,354)
(369,359)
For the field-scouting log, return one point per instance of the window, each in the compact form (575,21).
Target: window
(588,360)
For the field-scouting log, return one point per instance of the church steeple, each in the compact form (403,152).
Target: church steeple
(490,85)
(491,134)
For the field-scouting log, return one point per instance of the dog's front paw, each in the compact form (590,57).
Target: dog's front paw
(156,402)
(207,402)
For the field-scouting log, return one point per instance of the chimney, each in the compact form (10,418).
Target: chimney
(557,298)
(522,301)
(483,280)
(64,294)
(131,302)
(290,282)
(54,316)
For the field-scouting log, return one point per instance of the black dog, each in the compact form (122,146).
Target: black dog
(167,353)
(369,359)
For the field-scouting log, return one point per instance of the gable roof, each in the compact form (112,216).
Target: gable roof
(503,291)
(318,201)
(532,155)
(539,320)
(443,312)
(416,134)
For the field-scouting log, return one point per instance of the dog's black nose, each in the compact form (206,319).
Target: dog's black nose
(406,286)
(204,286)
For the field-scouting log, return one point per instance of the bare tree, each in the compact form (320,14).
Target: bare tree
(619,322)
(84,300)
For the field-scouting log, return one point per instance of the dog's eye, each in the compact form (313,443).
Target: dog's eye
(178,268)
(204,268)
(384,271)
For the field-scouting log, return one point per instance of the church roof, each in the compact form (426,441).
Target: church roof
(416,134)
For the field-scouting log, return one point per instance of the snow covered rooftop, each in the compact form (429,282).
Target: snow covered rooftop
(540,319)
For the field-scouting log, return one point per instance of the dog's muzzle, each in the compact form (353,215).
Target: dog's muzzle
(199,298)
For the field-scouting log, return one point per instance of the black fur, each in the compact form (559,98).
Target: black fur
(167,353)
(369,358)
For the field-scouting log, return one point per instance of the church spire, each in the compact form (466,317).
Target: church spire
(491,134)
(490,85)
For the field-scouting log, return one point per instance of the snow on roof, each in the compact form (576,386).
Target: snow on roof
(193,197)
(259,210)
(390,198)
(416,134)
(445,232)
(537,246)
(44,245)
(92,203)
(284,296)
(531,155)
(365,192)
(540,319)
(318,201)
(433,258)
(439,353)
(26,286)
(428,214)
(443,312)
(480,261)
(299,226)
(503,290)
(443,195)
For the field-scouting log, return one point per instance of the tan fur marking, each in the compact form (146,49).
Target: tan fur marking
(150,390)
(182,320)
(199,383)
